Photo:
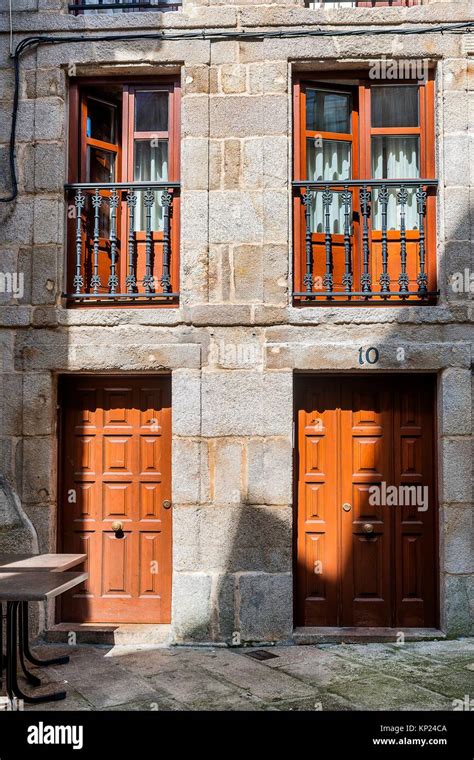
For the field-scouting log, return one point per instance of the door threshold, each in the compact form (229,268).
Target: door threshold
(139,634)
(329,635)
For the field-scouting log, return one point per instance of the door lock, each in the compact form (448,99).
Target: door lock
(117,527)
(166,504)
(347,507)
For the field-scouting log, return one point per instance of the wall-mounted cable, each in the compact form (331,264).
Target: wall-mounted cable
(210,36)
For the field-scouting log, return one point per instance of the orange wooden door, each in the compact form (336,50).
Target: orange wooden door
(362,560)
(116,469)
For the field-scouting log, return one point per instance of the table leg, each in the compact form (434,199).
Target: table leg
(2,664)
(32,679)
(26,642)
(13,689)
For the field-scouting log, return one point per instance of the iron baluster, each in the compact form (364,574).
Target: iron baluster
(402,199)
(384,277)
(307,199)
(79,202)
(131,280)
(327,202)
(113,278)
(346,198)
(365,197)
(422,278)
(95,279)
(148,280)
(165,280)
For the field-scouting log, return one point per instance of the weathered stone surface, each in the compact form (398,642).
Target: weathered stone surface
(458,608)
(186,468)
(232,553)
(191,607)
(37,403)
(456,473)
(247,270)
(458,540)
(17,534)
(455,401)
(269,467)
(266,606)
(269,407)
(186,400)
(39,481)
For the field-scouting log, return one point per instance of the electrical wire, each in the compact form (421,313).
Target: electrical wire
(210,36)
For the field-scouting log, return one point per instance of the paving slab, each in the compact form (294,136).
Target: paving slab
(412,676)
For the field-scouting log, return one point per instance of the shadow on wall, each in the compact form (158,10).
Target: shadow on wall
(252,599)
(245,594)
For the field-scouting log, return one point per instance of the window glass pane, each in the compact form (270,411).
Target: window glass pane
(328,111)
(327,159)
(150,165)
(331,160)
(396,158)
(395,106)
(100,165)
(151,111)
(101,120)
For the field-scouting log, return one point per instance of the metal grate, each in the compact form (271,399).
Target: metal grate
(260,654)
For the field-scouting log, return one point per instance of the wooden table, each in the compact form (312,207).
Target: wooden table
(56,563)
(17,589)
(40,563)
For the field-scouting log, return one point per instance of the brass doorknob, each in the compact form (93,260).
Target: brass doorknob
(368,528)
(117,526)
(347,507)
(166,504)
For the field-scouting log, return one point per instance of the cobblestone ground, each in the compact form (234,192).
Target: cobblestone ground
(413,676)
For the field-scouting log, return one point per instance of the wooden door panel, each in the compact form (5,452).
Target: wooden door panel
(317,526)
(354,434)
(415,542)
(117,458)
(365,419)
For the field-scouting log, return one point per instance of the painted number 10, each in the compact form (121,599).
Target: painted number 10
(369,356)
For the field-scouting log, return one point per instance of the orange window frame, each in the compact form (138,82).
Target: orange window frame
(80,89)
(362,132)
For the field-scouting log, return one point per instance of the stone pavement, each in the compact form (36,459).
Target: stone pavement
(412,676)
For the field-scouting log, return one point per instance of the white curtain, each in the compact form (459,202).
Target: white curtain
(330,160)
(326,4)
(151,165)
(395,158)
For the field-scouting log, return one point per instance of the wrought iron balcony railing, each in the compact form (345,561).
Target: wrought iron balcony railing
(112,6)
(365,240)
(360,3)
(123,242)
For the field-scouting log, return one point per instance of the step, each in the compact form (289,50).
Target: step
(317,635)
(109,633)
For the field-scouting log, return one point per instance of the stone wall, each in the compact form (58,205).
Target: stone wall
(235,341)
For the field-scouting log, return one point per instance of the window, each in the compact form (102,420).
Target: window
(122,6)
(124,191)
(364,191)
(360,3)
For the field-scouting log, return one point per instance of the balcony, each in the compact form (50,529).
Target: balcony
(361,3)
(122,6)
(123,243)
(365,241)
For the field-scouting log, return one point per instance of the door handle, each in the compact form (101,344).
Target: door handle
(347,507)
(368,528)
(166,504)
(117,526)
